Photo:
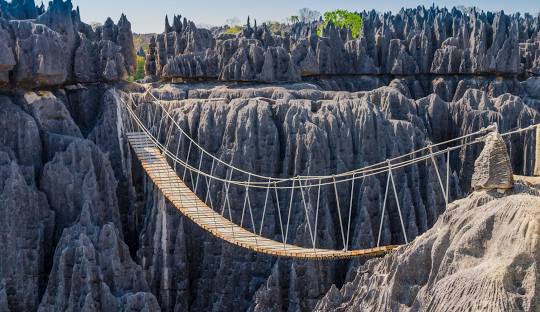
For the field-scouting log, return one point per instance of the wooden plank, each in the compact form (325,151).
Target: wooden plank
(189,204)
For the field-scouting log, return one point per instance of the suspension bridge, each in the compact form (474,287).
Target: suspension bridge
(173,160)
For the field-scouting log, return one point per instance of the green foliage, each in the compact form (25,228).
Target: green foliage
(139,72)
(342,19)
(234,30)
(142,40)
(294,19)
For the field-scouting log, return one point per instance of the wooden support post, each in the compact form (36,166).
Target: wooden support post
(537,154)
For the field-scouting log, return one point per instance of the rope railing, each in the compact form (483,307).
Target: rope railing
(152,120)
(348,173)
(361,173)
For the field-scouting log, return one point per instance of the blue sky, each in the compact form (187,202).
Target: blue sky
(148,16)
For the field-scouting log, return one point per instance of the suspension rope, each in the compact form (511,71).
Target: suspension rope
(317,215)
(397,202)
(306,211)
(339,214)
(245,203)
(383,209)
(439,176)
(374,171)
(198,173)
(279,214)
(226,184)
(289,214)
(350,214)
(447,199)
(412,153)
(251,211)
(264,209)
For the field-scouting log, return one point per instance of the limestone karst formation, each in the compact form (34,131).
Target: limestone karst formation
(83,229)
(410,42)
(51,47)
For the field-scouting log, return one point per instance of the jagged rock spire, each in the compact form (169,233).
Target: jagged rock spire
(493,169)
(167,25)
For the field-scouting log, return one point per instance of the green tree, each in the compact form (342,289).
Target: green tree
(342,19)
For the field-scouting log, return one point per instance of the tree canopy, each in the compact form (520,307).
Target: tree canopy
(342,19)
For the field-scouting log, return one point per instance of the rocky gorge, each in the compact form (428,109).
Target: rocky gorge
(83,229)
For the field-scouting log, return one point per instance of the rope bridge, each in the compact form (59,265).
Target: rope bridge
(177,171)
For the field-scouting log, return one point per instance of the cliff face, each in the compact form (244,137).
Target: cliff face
(411,42)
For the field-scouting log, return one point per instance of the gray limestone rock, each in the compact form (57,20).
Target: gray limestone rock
(413,41)
(82,175)
(93,271)
(51,114)
(492,169)
(27,224)
(54,47)
(20,134)
(125,40)
(41,53)
(7,56)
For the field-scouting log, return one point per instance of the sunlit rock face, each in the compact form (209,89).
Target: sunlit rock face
(492,168)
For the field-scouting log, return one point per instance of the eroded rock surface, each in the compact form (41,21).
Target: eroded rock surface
(481,254)
(492,169)
(27,224)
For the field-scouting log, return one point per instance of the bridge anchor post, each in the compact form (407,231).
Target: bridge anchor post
(537,153)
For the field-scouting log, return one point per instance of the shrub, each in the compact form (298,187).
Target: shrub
(233,30)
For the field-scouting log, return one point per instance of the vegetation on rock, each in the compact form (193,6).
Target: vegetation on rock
(342,19)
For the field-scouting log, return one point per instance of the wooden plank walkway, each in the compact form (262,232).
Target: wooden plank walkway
(178,193)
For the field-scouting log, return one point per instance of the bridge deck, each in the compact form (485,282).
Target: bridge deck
(178,193)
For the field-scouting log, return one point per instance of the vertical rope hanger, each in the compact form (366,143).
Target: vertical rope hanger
(350,213)
(444,192)
(306,211)
(339,212)
(317,214)
(279,214)
(289,214)
(383,209)
(265,204)
(397,202)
